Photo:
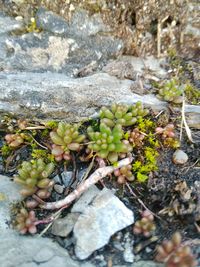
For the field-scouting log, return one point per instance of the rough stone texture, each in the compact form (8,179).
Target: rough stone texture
(143,264)
(58,47)
(9,193)
(63,226)
(55,96)
(94,228)
(135,21)
(85,199)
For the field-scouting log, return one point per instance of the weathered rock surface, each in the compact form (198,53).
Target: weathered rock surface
(97,224)
(9,193)
(63,226)
(58,47)
(85,199)
(55,96)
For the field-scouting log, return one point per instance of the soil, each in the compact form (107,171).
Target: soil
(160,195)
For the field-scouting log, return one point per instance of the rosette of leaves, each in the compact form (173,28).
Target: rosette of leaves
(171,91)
(124,174)
(145,225)
(66,138)
(25,222)
(14,140)
(136,137)
(168,135)
(33,176)
(174,254)
(122,114)
(108,143)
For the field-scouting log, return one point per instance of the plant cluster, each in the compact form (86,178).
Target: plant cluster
(14,140)
(146,225)
(174,254)
(33,176)
(124,174)
(66,138)
(171,91)
(168,136)
(136,138)
(25,221)
(108,143)
(122,114)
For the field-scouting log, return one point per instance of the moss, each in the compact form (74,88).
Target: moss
(6,150)
(192,94)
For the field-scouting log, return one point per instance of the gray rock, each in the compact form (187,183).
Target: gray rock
(9,193)
(85,199)
(81,24)
(60,48)
(130,67)
(128,254)
(17,251)
(96,225)
(8,24)
(59,188)
(54,95)
(180,157)
(64,226)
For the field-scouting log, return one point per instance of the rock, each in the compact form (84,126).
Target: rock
(130,67)
(85,199)
(81,24)
(59,188)
(8,24)
(9,194)
(96,225)
(180,157)
(128,254)
(63,226)
(56,96)
(21,251)
(43,51)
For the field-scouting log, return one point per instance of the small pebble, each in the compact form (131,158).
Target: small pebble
(180,157)
(59,188)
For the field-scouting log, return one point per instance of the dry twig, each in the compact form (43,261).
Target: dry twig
(93,179)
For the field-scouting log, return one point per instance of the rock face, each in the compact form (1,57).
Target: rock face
(59,47)
(97,223)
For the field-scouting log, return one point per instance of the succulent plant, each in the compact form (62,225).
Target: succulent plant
(174,254)
(167,131)
(124,174)
(122,114)
(108,143)
(33,176)
(171,92)
(146,225)
(25,222)
(14,140)
(168,136)
(66,138)
(136,137)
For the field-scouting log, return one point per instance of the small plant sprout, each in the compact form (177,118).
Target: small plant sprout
(146,225)
(175,254)
(14,140)
(25,222)
(124,174)
(171,91)
(66,138)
